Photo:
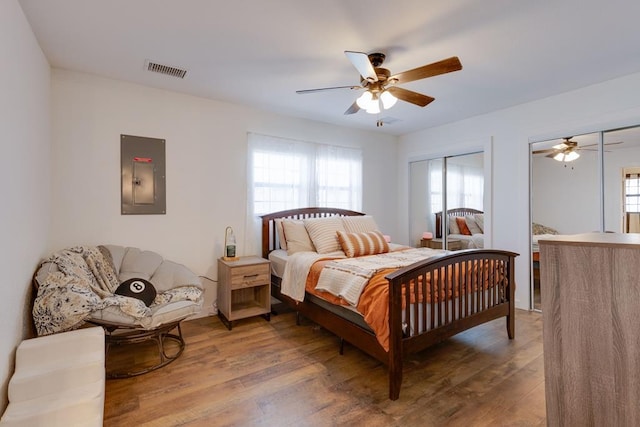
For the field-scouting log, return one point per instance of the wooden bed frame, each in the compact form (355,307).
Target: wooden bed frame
(451,213)
(474,308)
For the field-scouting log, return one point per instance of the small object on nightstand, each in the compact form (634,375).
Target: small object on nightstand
(229,245)
(244,289)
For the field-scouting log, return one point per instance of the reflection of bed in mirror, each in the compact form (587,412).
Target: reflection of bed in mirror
(538,232)
(465,225)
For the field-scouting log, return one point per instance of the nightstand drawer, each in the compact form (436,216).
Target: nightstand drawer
(250,275)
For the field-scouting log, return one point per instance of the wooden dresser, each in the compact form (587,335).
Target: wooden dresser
(590,286)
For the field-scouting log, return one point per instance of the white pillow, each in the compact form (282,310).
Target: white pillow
(296,236)
(280,232)
(479,218)
(472,225)
(453,226)
(323,233)
(359,224)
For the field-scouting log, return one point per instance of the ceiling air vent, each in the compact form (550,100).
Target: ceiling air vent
(165,69)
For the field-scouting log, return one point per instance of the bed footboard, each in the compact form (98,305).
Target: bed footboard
(435,299)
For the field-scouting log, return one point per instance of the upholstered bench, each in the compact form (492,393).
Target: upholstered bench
(58,381)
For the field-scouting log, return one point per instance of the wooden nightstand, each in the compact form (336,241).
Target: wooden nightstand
(244,289)
(453,244)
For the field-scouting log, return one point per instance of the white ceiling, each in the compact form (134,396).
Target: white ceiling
(259,52)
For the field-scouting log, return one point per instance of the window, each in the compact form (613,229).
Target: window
(632,193)
(465,183)
(288,174)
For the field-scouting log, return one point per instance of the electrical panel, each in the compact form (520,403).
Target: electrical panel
(142,163)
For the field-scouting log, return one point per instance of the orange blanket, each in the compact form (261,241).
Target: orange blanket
(373,303)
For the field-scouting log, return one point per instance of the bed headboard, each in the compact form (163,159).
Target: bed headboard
(269,233)
(451,213)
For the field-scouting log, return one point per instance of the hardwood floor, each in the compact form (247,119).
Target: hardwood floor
(279,374)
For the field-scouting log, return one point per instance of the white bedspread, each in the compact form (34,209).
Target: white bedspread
(297,270)
(346,278)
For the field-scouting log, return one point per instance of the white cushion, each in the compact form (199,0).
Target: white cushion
(80,406)
(39,381)
(479,218)
(160,314)
(138,264)
(297,237)
(171,274)
(84,345)
(323,233)
(59,380)
(453,225)
(359,224)
(280,232)
(472,225)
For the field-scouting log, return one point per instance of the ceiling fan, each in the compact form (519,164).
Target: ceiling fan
(381,87)
(567,150)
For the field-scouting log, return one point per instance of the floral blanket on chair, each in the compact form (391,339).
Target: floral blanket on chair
(84,284)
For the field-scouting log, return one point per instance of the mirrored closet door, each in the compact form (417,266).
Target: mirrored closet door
(622,180)
(583,183)
(446,202)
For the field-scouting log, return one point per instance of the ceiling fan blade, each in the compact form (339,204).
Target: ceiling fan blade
(327,88)
(441,67)
(353,109)
(410,96)
(595,150)
(361,61)
(549,150)
(606,143)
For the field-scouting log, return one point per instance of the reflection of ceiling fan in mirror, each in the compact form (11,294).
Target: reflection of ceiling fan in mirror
(381,87)
(567,150)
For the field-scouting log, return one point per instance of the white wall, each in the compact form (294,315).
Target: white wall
(566,196)
(206,152)
(602,106)
(24,177)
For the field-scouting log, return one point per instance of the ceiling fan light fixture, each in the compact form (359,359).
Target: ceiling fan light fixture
(571,156)
(374,106)
(364,100)
(388,100)
(566,156)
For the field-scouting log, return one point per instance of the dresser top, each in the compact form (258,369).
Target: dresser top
(594,239)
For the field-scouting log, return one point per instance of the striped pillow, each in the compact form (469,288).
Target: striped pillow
(323,233)
(360,244)
(359,224)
